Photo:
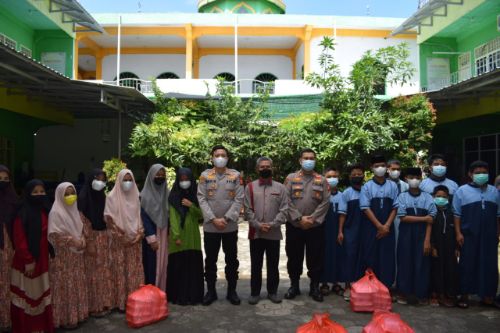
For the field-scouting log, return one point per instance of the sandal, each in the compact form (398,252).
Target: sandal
(434,302)
(324,289)
(337,289)
(447,302)
(463,303)
(347,294)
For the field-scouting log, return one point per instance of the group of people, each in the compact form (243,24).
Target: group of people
(427,240)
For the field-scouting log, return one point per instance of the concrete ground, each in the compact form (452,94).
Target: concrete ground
(222,317)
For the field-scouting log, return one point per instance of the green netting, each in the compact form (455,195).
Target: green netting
(286,106)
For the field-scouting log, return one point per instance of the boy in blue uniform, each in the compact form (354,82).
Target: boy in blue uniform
(416,210)
(332,267)
(477,217)
(438,166)
(350,220)
(378,201)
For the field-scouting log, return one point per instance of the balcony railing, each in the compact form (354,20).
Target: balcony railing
(144,86)
(462,75)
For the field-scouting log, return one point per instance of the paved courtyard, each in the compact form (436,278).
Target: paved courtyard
(222,317)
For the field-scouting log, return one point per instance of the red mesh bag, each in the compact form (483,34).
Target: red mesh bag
(369,294)
(145,306)
(321,323)
(387,322)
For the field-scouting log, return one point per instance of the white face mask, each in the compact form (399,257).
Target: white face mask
(379,171)
(185,184)
(98,185)
(394,174)
(414,183)
(127,185)
(220,162)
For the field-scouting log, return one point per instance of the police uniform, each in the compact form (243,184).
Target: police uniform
(220,196)
(309,196)
(266,201)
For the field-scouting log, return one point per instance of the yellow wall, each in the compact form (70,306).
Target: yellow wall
(469,108)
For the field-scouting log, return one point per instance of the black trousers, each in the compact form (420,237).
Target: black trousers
(212,242)
(272,250)
(313,241)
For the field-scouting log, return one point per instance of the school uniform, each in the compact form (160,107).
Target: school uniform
(349,256)
(332,265)
(428,184)
(478,210)
(413,266)
(378,254)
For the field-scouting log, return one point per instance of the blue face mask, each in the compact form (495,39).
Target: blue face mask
(308,165)
(441,202)
(439,170)
(480,178)
(333,182)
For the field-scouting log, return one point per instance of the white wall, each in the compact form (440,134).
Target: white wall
(146,66)
(299,62)
(350,49)
(67,150)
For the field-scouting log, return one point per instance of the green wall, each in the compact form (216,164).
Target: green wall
(54,41)
(485,34)
(258,5)
(16,30)
(20,130)
(436,44)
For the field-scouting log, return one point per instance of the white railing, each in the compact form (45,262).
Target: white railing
(144,86)
(460,76)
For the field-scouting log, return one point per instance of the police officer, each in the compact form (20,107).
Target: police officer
(221,197)
(309,195)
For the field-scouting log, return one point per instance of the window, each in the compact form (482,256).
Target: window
(487,56)
(264,81)
(129,79)
(464,72)
(228,77)
(168,75)
(25,51)
(7,152)
(485,148)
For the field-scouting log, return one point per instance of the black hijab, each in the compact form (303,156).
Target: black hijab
(8,202)
(91,202)
(31,217)
(177,194)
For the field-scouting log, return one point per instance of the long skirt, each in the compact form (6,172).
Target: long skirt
(5,262)
(185,277)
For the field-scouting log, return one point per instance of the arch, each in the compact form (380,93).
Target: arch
(216,9)
(168,75)
(243,8)
(228,77)
(268,11)
(133,82)
(262,82)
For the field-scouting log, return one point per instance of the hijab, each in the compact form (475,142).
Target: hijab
(91,202)
(154,198)
(31,218)
(124,207)
(8,202)
(63,219)
(177,194)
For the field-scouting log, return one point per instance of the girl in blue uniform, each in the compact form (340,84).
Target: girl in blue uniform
(416,210)
(477,217)
(349,229)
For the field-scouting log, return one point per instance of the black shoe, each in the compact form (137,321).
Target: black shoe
(209,298)
(233,298)
(293,291)
(315,293)
(274,298)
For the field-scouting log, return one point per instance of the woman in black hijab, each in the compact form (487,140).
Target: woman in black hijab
(30,266)
(185,261)
(91,202)
(8,201)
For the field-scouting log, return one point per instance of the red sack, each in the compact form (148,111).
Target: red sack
(387,322)
(321,323)
(145,306)
(369,294)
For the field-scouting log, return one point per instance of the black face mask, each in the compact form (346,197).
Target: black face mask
(38,200)
(266,173)
(159,180)
(4,185)
(357,180)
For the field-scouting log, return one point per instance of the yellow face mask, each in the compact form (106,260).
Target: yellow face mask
(70,199)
